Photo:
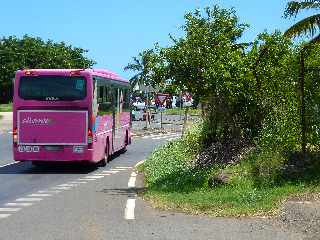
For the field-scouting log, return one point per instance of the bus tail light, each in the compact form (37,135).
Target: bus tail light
(15,136)
(90,137)
(28,72)
(75,73)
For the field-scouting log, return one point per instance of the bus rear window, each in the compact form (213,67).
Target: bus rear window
(52,88)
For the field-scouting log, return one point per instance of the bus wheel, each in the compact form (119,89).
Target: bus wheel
(106,158)
(39,164)
(126,141)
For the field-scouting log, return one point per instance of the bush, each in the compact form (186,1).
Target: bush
(267,168)
(170,167)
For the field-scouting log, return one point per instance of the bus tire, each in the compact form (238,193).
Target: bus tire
(39,164)
(126,142)
(106,158)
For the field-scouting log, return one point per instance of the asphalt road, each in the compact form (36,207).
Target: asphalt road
(72,202)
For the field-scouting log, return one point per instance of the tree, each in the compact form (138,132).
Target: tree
(208,62)
(274,62)
(31,52)
(145,65)
(309,25)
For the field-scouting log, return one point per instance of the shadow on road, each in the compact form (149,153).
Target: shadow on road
(130,192)
(48,168)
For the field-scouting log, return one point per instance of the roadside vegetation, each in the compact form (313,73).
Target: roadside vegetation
(6,107)
(258,143)
(178,111)
(254,185)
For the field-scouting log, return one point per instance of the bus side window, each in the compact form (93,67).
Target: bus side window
(126,100)
(108,95)
(94,102)
(105,107)
(100,94)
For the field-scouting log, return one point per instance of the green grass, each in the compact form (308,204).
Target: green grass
(174,183)
(178,111)
(6,107)
(226,201)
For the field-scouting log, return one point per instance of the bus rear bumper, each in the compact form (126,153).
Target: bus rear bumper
(53,153)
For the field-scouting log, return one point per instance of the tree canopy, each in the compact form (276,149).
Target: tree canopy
(33,52)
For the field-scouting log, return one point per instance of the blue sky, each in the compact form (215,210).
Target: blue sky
(114,31)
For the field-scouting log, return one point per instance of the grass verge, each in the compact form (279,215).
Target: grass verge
(6,107)
(173,182)
(178,111)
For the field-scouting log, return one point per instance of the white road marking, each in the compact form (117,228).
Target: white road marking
(155,135)
(118,169)
(163,137)
(129,211)
(87,179)
(67,185)
(149,136)
(133,174)
(18,204)
(10,209)
(40,195)
(110,171)
(29,199)
(102,174)
(9,164)
(123,167)
(61,188)
(131,202)
(94,177)
(132,180)
(4,216)
(49,191)
(78,182)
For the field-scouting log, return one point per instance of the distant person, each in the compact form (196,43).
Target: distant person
(174,102)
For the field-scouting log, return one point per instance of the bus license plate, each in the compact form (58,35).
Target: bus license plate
(29,149)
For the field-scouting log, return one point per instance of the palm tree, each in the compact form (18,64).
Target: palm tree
(140,64)
(307,26)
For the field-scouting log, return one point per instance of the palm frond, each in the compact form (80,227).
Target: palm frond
(135,66)
(307,26)
(315,40)
(294,7)
(136,79)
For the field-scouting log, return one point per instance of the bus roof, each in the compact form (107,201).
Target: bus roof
(97,72)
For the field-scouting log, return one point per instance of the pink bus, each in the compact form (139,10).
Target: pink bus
(70,115)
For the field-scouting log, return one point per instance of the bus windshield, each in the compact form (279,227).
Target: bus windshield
(52,88)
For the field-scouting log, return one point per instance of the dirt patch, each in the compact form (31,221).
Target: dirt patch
(227,152)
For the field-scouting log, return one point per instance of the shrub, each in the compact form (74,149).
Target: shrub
(170,167)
